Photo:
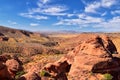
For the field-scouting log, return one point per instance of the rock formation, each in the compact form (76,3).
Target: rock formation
(58,69)
(91,56)
(94,55)
(8,67)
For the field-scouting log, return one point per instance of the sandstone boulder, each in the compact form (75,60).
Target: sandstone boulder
(58,69)
(94,56)
(12,65)
(8,67)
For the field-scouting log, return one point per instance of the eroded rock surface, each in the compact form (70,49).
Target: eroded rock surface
(8,67)
(91,56)
(94,56)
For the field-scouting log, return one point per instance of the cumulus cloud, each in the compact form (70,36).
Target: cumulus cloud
(113,23)
(83,19)
(54,10)
(93,7)
(93,22)
(115,19)
(46,9)
(108,3)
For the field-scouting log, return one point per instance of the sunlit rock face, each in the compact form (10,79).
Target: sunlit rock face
(94,56)
(91,56)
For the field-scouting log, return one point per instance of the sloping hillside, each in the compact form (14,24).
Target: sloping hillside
(14,32)
(25,42)
(21,35)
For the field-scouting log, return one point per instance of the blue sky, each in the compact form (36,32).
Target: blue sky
(55,15)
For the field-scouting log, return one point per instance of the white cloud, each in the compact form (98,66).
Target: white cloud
(34,24)
(41,3)
(55,10)
(112,24)
(44,8)
(12,22)
(104,14)
(45,1)
(115,12)
(38,17)
(70,15)
(93,22)
(108,3)
(82,20)
(90,19)
(93,7)
(115,19)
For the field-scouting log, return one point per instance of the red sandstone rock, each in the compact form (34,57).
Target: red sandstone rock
(93,55)
(8,68)
(12,65)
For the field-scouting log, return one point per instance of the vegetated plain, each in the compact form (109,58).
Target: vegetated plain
(39,48)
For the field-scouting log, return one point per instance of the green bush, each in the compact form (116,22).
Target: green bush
(44,73)
(107,76)
(50,44)
(18,74)
(1,52)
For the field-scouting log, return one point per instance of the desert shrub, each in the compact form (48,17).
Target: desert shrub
(35,41)
(1,52)
(22,48)
(38,50)
(30,51)
(107,76)
(10,48)
(18,74)
(52,51)
(50,44)
(44,73)
(27,33)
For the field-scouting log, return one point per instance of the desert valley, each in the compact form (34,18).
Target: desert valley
(59,39)
(26,55)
